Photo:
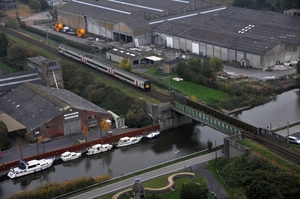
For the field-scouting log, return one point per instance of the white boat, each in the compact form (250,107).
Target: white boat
(67,156)
(27,167)
(98,148)
(153,135)
(126,141)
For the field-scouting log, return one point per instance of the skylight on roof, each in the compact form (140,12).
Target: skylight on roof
(102,7)
(135,5)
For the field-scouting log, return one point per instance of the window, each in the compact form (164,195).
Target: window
(93,123)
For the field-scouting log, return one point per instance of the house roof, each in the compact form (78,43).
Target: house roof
(32,105)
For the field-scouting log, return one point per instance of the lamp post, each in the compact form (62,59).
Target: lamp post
(176,152)
(169,82)
(288,133)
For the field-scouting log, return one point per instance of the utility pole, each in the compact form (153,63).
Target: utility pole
(288,133)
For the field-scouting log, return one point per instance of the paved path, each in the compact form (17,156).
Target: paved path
(214,185)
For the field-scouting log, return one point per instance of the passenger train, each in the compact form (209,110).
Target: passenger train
(105,68)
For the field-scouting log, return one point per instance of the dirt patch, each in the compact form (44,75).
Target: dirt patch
(24,12)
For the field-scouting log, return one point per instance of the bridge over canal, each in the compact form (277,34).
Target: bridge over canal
(182,111)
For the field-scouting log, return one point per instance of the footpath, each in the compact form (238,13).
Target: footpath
(196,164)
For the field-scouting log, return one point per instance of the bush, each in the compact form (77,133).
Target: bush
(53,189)
(209,144)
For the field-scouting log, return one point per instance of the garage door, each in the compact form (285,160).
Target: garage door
(73,126)
(195,48)
(170,42)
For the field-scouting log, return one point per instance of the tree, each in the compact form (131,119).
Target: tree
(3,44)
(216,64)
(193,98)
(137,116)
(85,131)
(34,4)
(4,142)
(41,140)
(209,144)
(44,5)
(12,23)
(298,67)
(104,126)
(17,52)
(262,189)
(19,144)
(125,64)
(192,190)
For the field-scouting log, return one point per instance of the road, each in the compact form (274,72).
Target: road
(194,164)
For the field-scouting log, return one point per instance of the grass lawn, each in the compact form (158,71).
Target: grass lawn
(202,93)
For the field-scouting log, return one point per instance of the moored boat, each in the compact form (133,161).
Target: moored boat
(27,167)
(127,141)
(67,156)
(98,148)
(153,135)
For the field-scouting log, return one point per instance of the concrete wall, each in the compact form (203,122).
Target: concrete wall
(232,148)
(282,52)
(70,19)
(274,136)
(164,115)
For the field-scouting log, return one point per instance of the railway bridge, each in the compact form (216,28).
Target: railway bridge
(183,111)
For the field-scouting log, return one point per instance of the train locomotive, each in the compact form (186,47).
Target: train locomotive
(95,63)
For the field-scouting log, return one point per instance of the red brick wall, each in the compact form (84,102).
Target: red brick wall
(80,147)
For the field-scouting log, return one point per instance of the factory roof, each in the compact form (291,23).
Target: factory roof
(115,11)
(32,105)
(237,28)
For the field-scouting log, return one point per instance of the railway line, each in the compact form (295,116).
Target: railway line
(277,148)
(273,146)
(153,93)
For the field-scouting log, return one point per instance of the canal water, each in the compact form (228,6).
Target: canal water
(284,108)
(170,145)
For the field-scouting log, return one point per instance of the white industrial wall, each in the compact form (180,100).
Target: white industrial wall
(282,53)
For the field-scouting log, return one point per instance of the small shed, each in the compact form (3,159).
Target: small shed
(169,66)
(116,54)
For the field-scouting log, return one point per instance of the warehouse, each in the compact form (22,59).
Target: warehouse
(50,112)
(235,34)
(254,38)
(124,21)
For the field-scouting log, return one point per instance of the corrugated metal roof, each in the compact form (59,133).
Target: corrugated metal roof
(33,105)
(138,22)
(11,123)
(237,28)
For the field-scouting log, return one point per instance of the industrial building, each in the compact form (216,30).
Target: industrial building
(255,38)
(49,112)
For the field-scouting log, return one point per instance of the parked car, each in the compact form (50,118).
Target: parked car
(293,139)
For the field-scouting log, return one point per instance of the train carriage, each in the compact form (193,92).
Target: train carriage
(99,65)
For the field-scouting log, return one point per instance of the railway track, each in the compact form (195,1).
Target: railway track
(275,147)
(30,39)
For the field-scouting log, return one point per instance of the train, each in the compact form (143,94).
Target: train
(99,65)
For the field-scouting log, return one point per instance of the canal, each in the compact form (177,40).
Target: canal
(170,145)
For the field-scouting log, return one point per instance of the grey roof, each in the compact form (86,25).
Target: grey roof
(33,105)
(115,11)
(11,81)
(138,22)
(225,28)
